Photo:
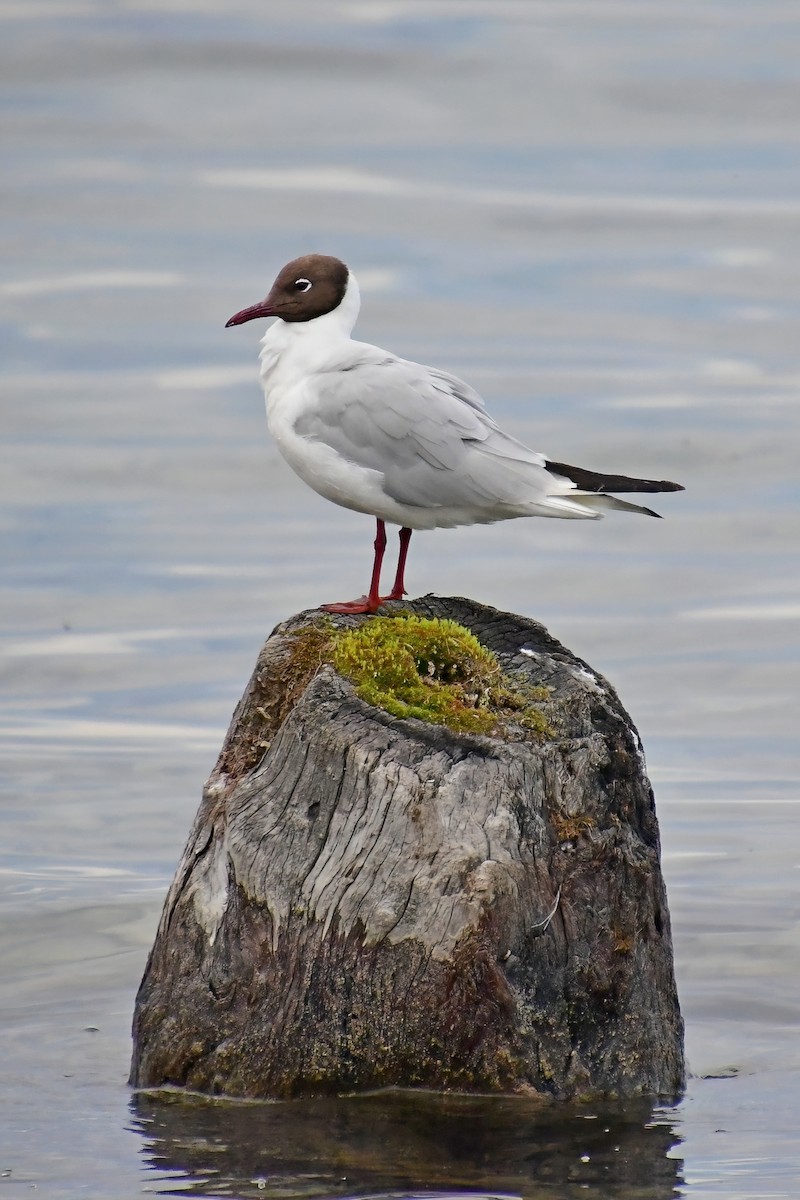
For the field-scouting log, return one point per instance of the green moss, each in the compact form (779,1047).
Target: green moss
(434,670)
(431,669)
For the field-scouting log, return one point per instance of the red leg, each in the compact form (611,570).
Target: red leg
(372,602)
(399,587)
(374,597)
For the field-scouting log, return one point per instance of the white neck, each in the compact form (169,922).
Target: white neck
(293,349)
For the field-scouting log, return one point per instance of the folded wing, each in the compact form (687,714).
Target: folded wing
(430,437)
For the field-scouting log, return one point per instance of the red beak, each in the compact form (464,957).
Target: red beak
(262,309)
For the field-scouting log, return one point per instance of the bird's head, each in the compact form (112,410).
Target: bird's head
(306,288)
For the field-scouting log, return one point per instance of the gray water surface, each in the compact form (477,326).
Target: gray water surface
(591,211)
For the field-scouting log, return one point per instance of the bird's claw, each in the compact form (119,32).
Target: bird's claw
(365,604)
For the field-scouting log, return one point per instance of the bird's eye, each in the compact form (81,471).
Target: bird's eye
(302,285)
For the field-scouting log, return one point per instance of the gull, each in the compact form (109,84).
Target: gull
(408,444)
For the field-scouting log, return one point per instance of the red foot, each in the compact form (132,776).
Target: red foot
(365,604)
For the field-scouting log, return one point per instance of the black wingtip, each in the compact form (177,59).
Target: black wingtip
(596,481)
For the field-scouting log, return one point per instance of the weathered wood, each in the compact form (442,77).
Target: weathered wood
(363,901)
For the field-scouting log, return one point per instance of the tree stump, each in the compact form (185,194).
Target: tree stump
(367,902)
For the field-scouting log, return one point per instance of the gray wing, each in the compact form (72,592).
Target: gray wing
(427,432)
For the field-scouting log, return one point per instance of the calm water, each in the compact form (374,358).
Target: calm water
(591,211)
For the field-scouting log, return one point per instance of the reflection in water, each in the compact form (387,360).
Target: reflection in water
(405,1143)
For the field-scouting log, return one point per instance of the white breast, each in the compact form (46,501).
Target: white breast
(293,358)
(318,465)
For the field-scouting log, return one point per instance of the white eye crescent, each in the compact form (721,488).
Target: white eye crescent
(302,285)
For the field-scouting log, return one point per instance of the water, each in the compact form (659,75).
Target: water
(588,210)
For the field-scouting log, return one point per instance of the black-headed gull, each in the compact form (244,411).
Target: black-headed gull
(408,444)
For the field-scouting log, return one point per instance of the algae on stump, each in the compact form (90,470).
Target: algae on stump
(370,899)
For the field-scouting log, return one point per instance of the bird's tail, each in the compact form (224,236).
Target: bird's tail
(593,488)
(597,501)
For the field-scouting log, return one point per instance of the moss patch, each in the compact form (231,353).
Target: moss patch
(429,668)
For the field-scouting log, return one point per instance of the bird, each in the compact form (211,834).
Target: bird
(410,445)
